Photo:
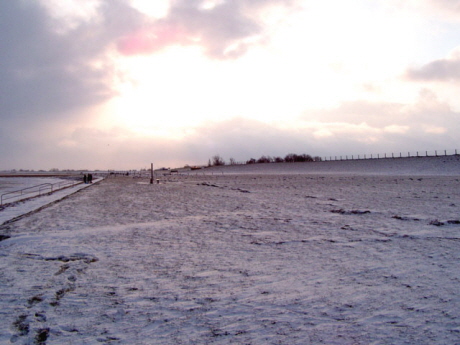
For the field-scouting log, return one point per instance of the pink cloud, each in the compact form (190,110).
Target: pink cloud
(152,39)
(223,31)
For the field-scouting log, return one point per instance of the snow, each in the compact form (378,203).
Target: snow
(9,184)
(442,165)
(228,256)
(21,207)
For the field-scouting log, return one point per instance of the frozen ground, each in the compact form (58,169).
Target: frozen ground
(266,258)
(12,210)
(19,188)
(435,166)
(9,184)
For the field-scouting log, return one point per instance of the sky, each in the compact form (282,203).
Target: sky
(121,84)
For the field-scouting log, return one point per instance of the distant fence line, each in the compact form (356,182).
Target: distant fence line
(436,153)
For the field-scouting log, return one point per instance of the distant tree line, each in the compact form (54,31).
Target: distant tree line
(289,158)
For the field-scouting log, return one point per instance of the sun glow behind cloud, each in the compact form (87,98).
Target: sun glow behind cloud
(309,63)
(180,88)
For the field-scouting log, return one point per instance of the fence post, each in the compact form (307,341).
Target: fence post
(151,173)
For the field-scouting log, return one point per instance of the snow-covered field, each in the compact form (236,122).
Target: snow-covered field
(33,202)
(31,186)
(273,257)
(9,184)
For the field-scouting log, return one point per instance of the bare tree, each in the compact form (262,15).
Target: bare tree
(217,160)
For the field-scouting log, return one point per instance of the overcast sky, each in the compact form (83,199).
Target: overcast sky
(120,84)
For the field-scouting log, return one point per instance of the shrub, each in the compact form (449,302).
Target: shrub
(217,160)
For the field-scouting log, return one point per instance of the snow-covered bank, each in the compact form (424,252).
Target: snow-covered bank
(9,184)
(20,208)
(442,165)
(238,259)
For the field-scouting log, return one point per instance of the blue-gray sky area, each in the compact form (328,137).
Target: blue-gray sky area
(118,84)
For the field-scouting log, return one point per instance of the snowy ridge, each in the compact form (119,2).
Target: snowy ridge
(442,165)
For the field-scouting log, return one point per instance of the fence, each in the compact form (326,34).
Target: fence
(416,154)
(37,190)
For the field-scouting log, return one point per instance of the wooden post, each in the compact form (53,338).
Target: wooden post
(151,173)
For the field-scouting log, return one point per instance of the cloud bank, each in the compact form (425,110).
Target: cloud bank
(444,70)
(46,72)
(225,29)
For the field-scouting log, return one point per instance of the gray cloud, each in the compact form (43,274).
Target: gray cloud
(438,70)
(45,73)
